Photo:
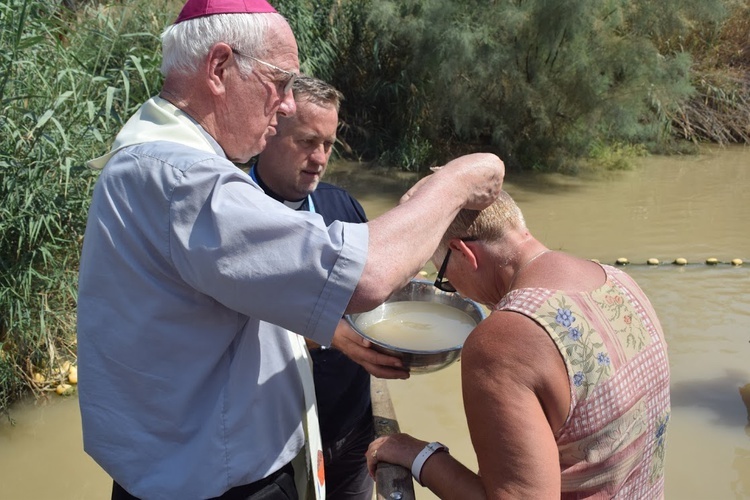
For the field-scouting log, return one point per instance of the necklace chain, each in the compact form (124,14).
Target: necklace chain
(523,266)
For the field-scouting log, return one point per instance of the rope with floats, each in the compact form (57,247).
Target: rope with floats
(680,261)
(652,262)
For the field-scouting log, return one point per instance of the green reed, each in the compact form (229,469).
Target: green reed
(68,80)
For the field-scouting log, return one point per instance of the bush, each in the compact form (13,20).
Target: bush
(69,80)
(720,109)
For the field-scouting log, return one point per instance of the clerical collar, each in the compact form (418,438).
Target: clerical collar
(296,205)
(305,203)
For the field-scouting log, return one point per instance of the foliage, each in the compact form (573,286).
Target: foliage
(337,44)
(316,28)
(387,109)
(720,109)
(315,34)
(536,80)
(720,112)
(615,156)
(68,82)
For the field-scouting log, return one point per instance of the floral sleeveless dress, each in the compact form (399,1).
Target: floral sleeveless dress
(612,443)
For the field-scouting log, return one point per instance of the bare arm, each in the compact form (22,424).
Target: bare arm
(441,473)
(403,239)
(508,370)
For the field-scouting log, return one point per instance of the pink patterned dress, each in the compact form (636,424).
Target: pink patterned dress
(612,443)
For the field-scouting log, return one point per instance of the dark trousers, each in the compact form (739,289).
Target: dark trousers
(346,465)
(277,486)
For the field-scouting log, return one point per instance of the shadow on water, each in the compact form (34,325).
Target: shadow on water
(364,179)
(719,395)
(356,176)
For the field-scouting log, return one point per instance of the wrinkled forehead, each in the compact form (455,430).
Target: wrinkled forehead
(280,46)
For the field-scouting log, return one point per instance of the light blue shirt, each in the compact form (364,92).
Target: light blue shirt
(187,388)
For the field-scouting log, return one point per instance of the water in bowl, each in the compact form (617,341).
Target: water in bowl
(418,326)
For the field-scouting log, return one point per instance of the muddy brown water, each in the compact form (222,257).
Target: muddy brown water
(694,207)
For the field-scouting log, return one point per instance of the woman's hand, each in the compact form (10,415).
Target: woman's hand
(399,449)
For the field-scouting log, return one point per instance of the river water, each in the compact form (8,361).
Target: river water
(695,207)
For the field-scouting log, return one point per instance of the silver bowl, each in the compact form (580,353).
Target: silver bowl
(418,361)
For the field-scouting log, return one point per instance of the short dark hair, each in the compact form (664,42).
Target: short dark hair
(316,91)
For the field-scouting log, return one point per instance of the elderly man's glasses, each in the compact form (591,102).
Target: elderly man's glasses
(290,77)
(441,282)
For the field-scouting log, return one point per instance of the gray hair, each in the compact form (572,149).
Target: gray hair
(311,89)
(490,224)
(186,44)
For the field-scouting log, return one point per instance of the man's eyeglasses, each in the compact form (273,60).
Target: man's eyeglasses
(290,77)
(441,283)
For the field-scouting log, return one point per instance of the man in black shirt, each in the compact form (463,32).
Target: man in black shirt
(289,170)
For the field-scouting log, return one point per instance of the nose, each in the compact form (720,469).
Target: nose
(288,106)
(319,155)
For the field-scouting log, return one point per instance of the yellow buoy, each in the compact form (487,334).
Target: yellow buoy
(64,389)
(712,261)
(680,261)
(73,375)
(65,367)
(39,378)
(736,262)
(652,262)
(622,261)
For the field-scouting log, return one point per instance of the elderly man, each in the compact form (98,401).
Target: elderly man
(191,278)
(289,170)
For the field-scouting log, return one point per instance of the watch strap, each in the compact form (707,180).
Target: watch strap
(427,452)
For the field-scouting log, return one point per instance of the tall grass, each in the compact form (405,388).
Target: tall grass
(68,81)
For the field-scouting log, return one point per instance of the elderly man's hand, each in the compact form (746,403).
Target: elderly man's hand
(479,175)
(358,350)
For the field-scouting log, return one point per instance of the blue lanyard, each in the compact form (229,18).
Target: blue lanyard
(310,204)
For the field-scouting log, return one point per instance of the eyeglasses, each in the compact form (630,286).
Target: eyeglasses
(290,77)
(442,283)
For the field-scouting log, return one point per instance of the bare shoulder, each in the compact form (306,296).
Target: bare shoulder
(511,347)
(505,340)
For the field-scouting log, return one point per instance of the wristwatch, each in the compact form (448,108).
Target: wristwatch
(416,466)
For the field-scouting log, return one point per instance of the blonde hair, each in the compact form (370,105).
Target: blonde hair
(490,224)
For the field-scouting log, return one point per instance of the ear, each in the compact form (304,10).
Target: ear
(467,250)
(218,61)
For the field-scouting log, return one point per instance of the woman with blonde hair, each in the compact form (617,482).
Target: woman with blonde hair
(565,383)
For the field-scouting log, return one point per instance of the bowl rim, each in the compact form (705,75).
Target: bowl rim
(474,304)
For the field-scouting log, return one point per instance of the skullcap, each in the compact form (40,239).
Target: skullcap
(200,8)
